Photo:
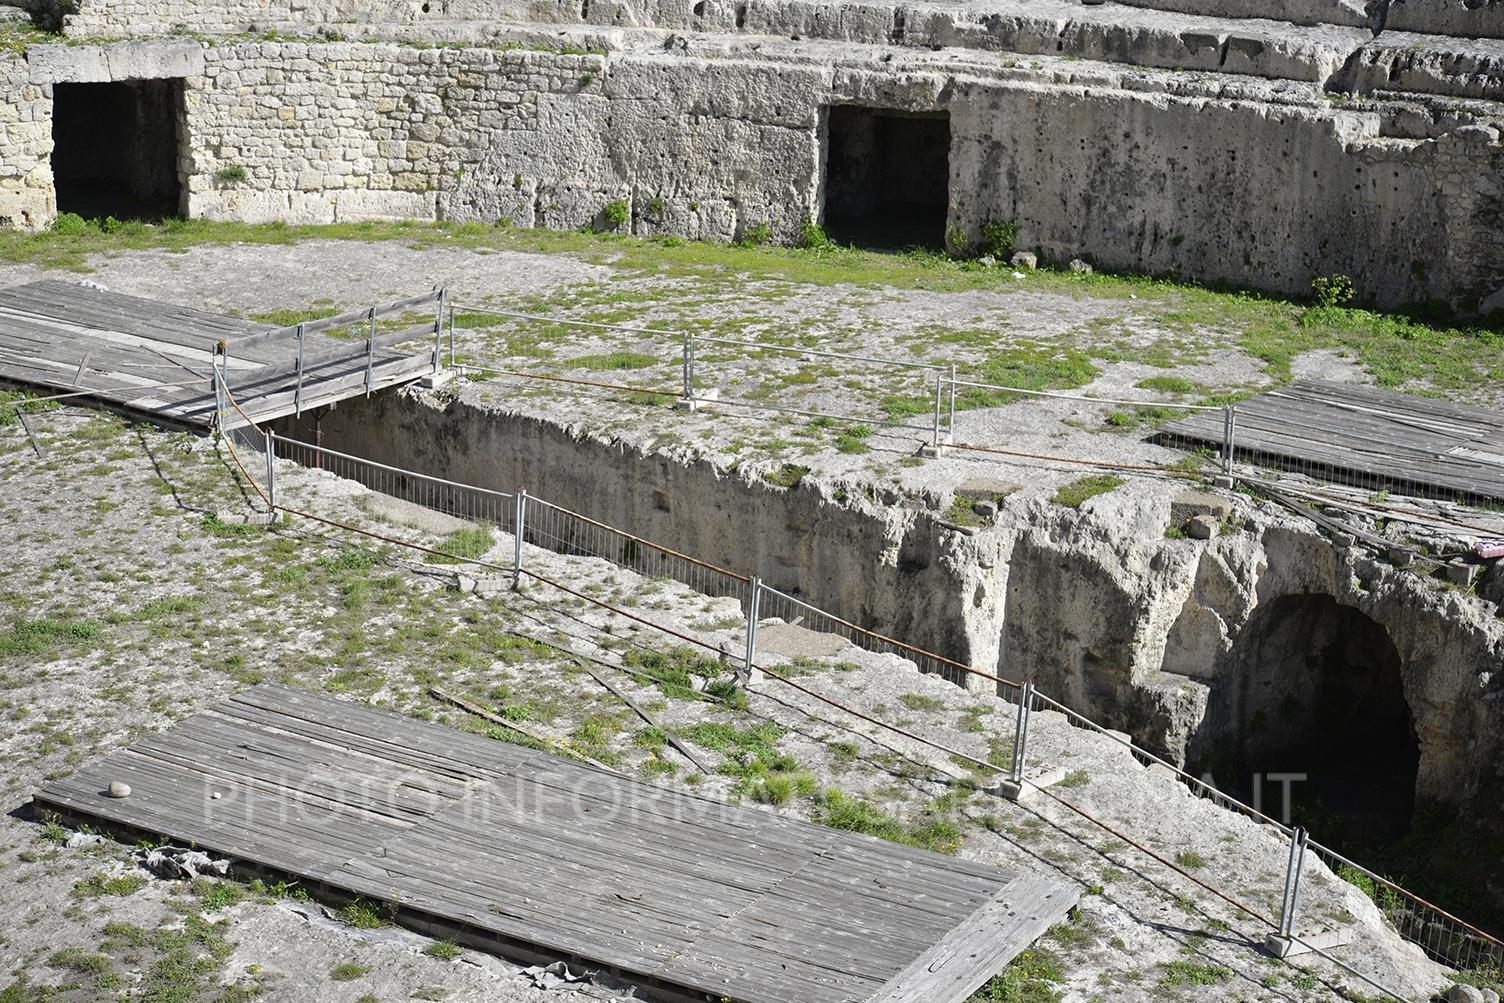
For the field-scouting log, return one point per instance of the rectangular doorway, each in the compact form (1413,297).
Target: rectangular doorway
(115,148)
(887,177)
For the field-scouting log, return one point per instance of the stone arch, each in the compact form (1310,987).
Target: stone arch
(1313,687)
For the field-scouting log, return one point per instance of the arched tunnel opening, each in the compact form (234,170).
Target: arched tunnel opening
(1313,711)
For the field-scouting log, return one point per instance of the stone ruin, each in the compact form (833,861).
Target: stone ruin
(1257,143)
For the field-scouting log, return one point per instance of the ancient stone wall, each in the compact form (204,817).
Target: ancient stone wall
(26,194)
(1145,181)
(154,17)
(339,132)
(1463,18)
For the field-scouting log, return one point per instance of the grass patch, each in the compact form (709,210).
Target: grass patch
(347,971)
(1027,979)
(786,476)
(1190,859)
(468,544)
(47,635)
(1187,973)
(1076,493)
(610,361)
(98,885)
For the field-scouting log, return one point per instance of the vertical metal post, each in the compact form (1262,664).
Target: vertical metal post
(1298,839)
(519,528)
(750,672)
(939,382)
(689,389)
(950,426)
(370,351)
(219,392)
(451,336)
(438,328)
(297,394)
(1021,731)
(1229,432)
(271,472)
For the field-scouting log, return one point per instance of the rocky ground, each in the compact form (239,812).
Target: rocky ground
(129,606)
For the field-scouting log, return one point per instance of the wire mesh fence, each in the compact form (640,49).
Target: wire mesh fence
(773,604)
(404,500)
(1444,937)
(566,532)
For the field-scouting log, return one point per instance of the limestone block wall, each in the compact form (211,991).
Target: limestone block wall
(27,200)
(1221,192)
(152,17)
(1463,18)
(1267,196)
(343,131)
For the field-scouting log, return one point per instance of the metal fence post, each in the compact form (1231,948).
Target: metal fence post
(438,329)
(689,376)
(950,426)
(750,673)
(1021,731)
(297,394)
(1229,431)
(519,528)
(451,336)
(271,472)
(219,392)
(370,351)
(939,382)
(1298,840)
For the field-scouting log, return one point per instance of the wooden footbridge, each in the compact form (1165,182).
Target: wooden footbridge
(1372,438)
(540,858)
(160,360)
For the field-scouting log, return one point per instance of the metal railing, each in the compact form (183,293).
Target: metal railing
(271,379)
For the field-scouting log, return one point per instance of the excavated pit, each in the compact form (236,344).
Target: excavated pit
(1290,656)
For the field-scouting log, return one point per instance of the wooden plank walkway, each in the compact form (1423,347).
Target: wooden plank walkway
(533,855)
(71,337)
(1355,434)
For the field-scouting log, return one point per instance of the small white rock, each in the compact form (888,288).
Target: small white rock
(119,790)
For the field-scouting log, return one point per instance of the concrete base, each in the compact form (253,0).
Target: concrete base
(248,518)
(693,403)
(1044,776)
(1323,940)
(435,380)
(933,452)
(1223,481)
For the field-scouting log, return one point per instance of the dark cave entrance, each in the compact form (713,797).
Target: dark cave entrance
(116,148)
(887,177)
(1315,691)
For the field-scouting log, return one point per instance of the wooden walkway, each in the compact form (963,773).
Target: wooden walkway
(1353,434)
(157,359)
(535,856)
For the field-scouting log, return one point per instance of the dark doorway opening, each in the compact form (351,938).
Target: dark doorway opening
(1318,694)
(887,177)
(115,148)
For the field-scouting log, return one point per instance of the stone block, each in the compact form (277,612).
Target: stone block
(1202,527)
(1188,504)
(1462,574)
(1025,260)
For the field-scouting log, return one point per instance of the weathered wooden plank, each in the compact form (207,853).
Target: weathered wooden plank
(1364,435)
(48,328)
(701,896)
